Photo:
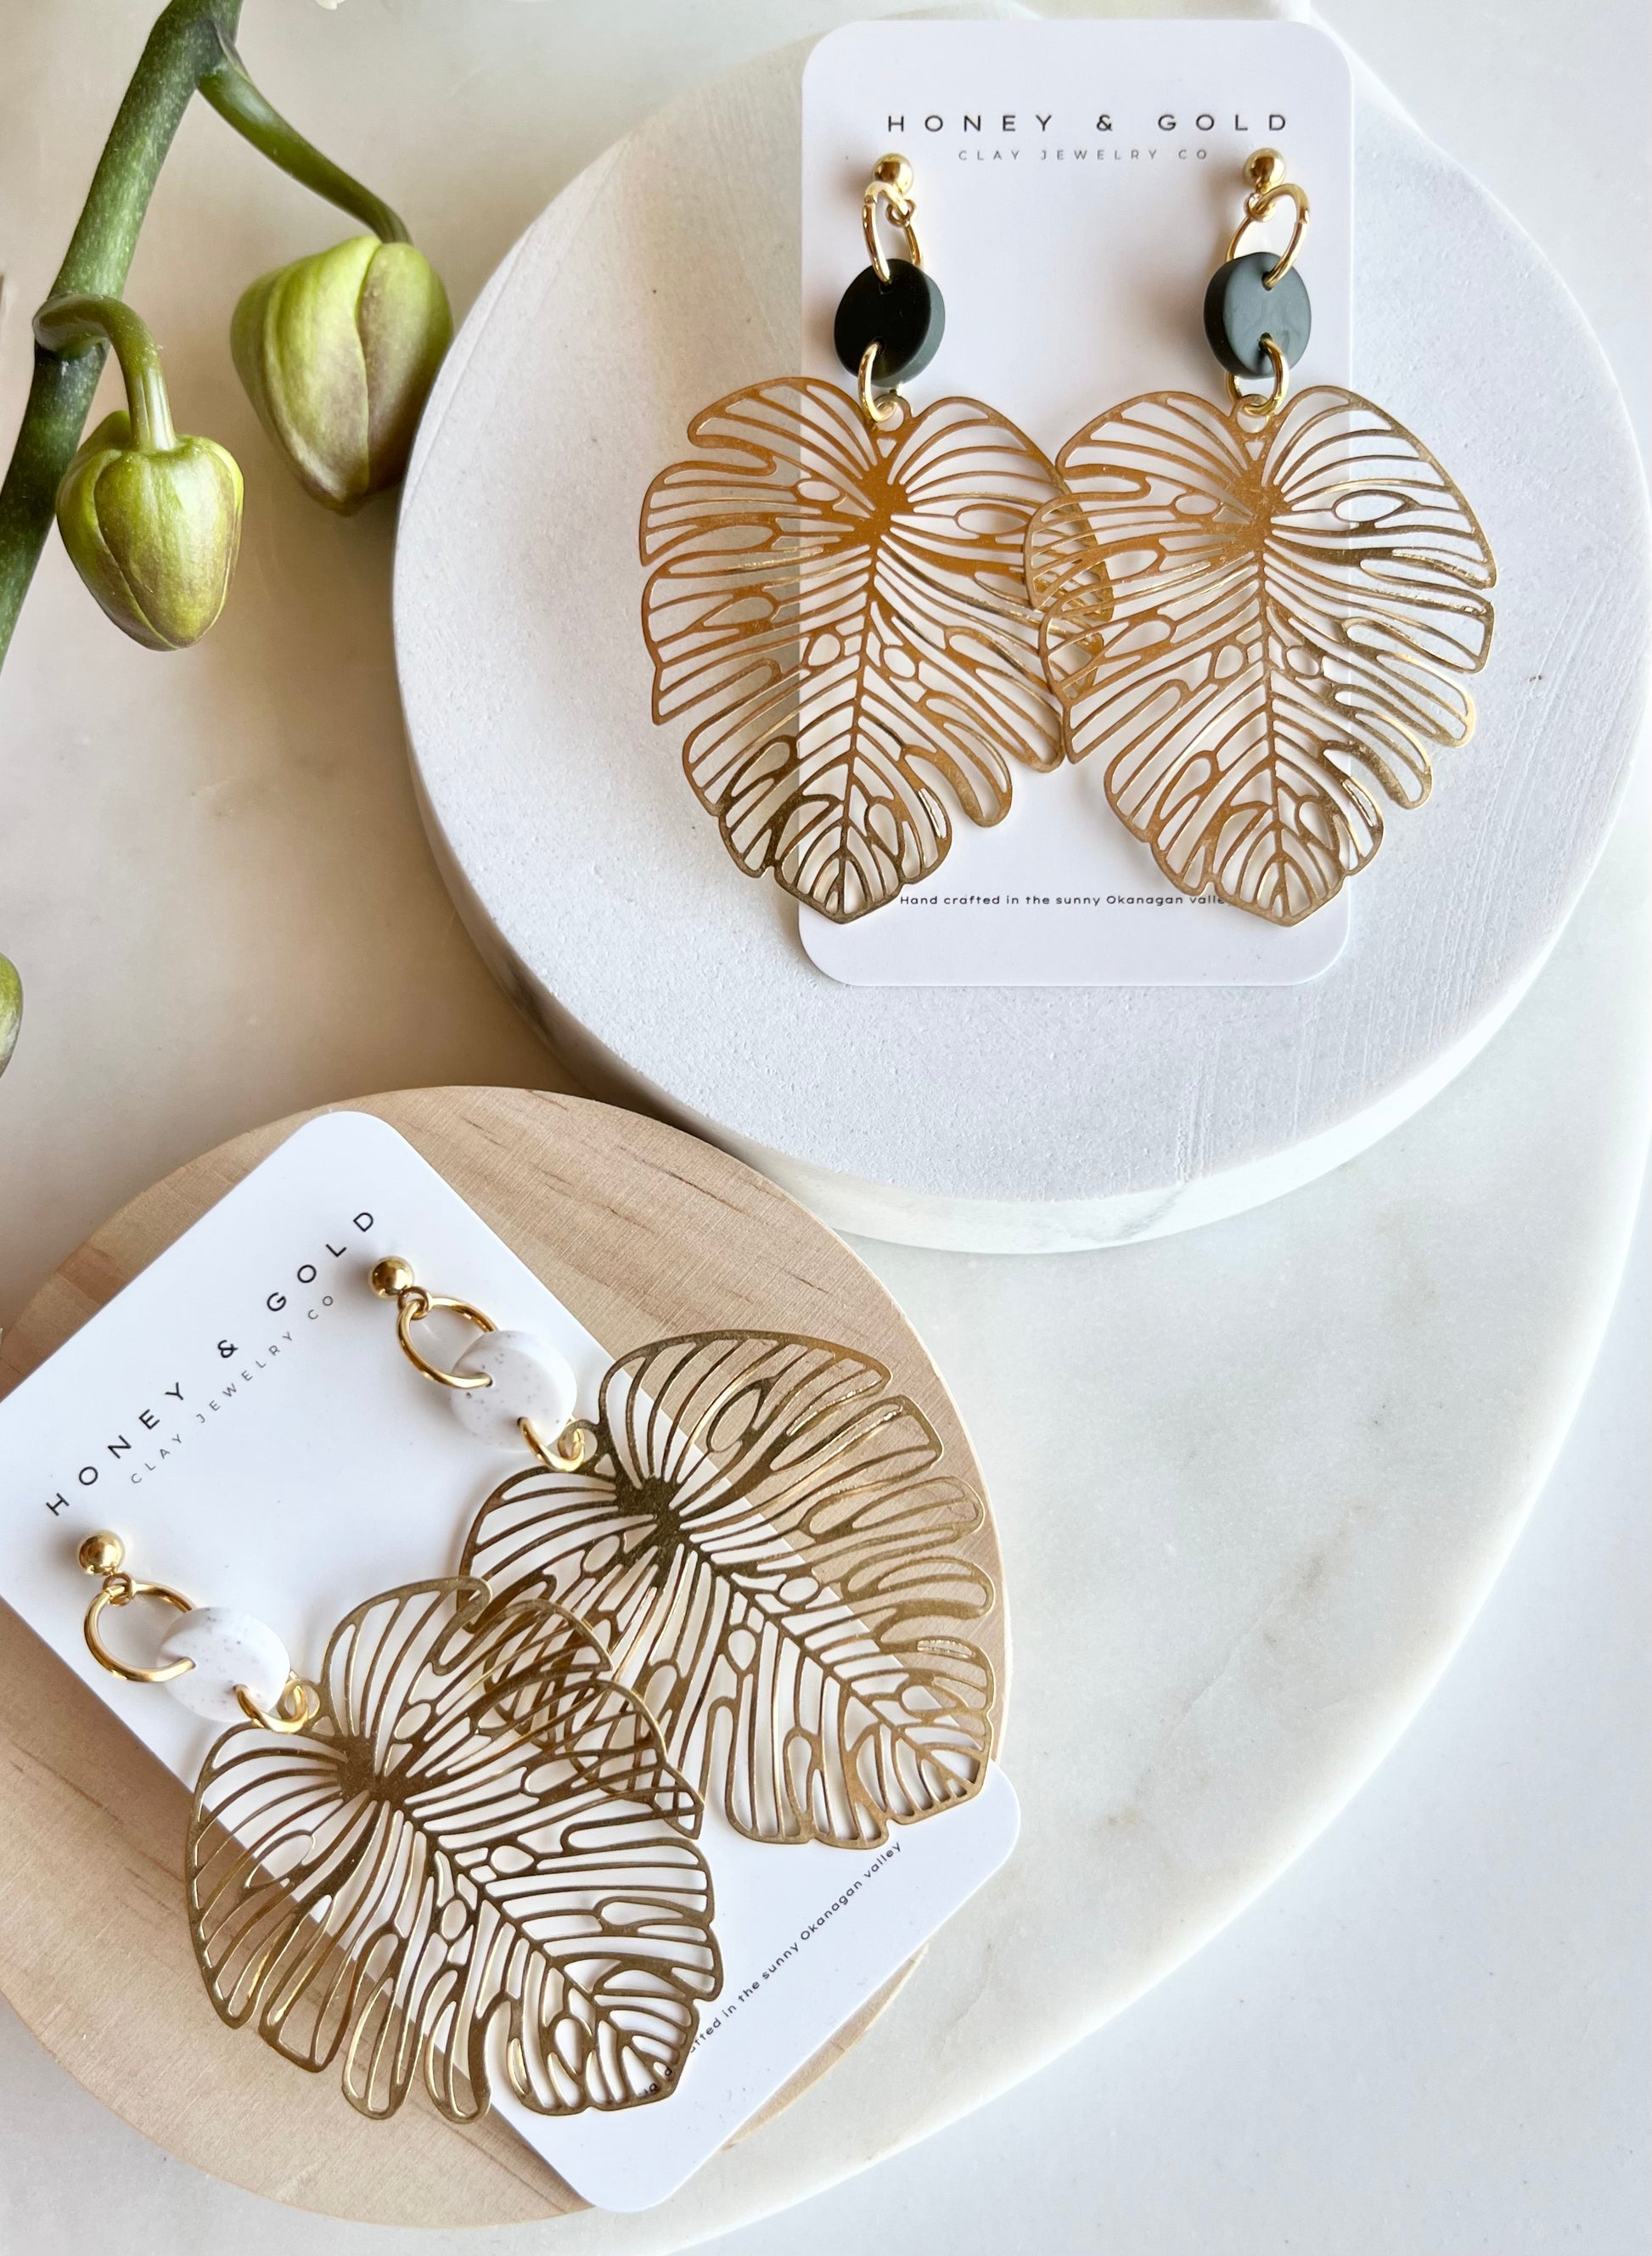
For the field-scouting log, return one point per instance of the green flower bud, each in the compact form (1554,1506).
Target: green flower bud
(153,530)
(11,1010)
(338,353)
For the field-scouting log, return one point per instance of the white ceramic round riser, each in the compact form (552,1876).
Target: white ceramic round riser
(604,903)
(878,1210)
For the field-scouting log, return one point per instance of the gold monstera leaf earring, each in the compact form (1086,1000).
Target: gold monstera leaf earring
(461,1858)
(837,607)
(1259,610)
(764,1540)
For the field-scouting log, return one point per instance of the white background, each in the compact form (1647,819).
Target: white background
(1430,2037)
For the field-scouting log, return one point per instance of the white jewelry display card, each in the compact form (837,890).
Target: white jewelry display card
(1077,185)
(242,1417)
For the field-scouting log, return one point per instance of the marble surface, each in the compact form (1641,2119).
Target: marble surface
(526,684)
(213,878)
(1433,2035)
(1430,2036)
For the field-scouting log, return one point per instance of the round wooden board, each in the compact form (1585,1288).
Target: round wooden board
(642,1230)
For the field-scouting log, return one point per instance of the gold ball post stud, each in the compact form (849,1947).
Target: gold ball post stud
(391,1277)
(894,174)
(1264,169)
(102,1554)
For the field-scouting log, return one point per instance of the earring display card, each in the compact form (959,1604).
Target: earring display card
(242,1417)
(1077,185)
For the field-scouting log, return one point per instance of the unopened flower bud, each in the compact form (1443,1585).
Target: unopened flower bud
(338,353)
(10,1008)
(153,530)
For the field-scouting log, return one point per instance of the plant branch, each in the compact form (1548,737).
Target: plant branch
(187,41)
(236,100)
(190,49)
(80,322)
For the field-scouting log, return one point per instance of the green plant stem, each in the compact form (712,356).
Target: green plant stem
(235,97)
(192,47)
(80,323)
(187,42)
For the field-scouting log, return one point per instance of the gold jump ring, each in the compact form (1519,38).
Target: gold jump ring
(407,1315)
(562,1459)
(392,1279)
(1265,169)
(120,1590)
(1262,407)
(877,409)
(296,1705)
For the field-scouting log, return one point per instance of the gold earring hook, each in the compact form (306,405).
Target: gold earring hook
(1266,173)
(891,183)
(298,1703)
(105,1554)
(392,1279)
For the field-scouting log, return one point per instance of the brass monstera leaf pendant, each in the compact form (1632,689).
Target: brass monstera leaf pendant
(476,1866)
(1255,623)
(838,614)
(763,1542)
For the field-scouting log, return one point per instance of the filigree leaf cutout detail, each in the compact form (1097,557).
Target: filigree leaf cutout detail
(417,1886)
(840,618)
(1256,625)
(762,1541)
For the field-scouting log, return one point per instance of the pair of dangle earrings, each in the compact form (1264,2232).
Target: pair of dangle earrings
(469,1854)
(1257,612)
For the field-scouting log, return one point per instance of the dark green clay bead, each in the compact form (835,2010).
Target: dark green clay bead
(904,317)
(1240,311)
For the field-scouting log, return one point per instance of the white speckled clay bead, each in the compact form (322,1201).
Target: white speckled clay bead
(530,1380)
(228,1649)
